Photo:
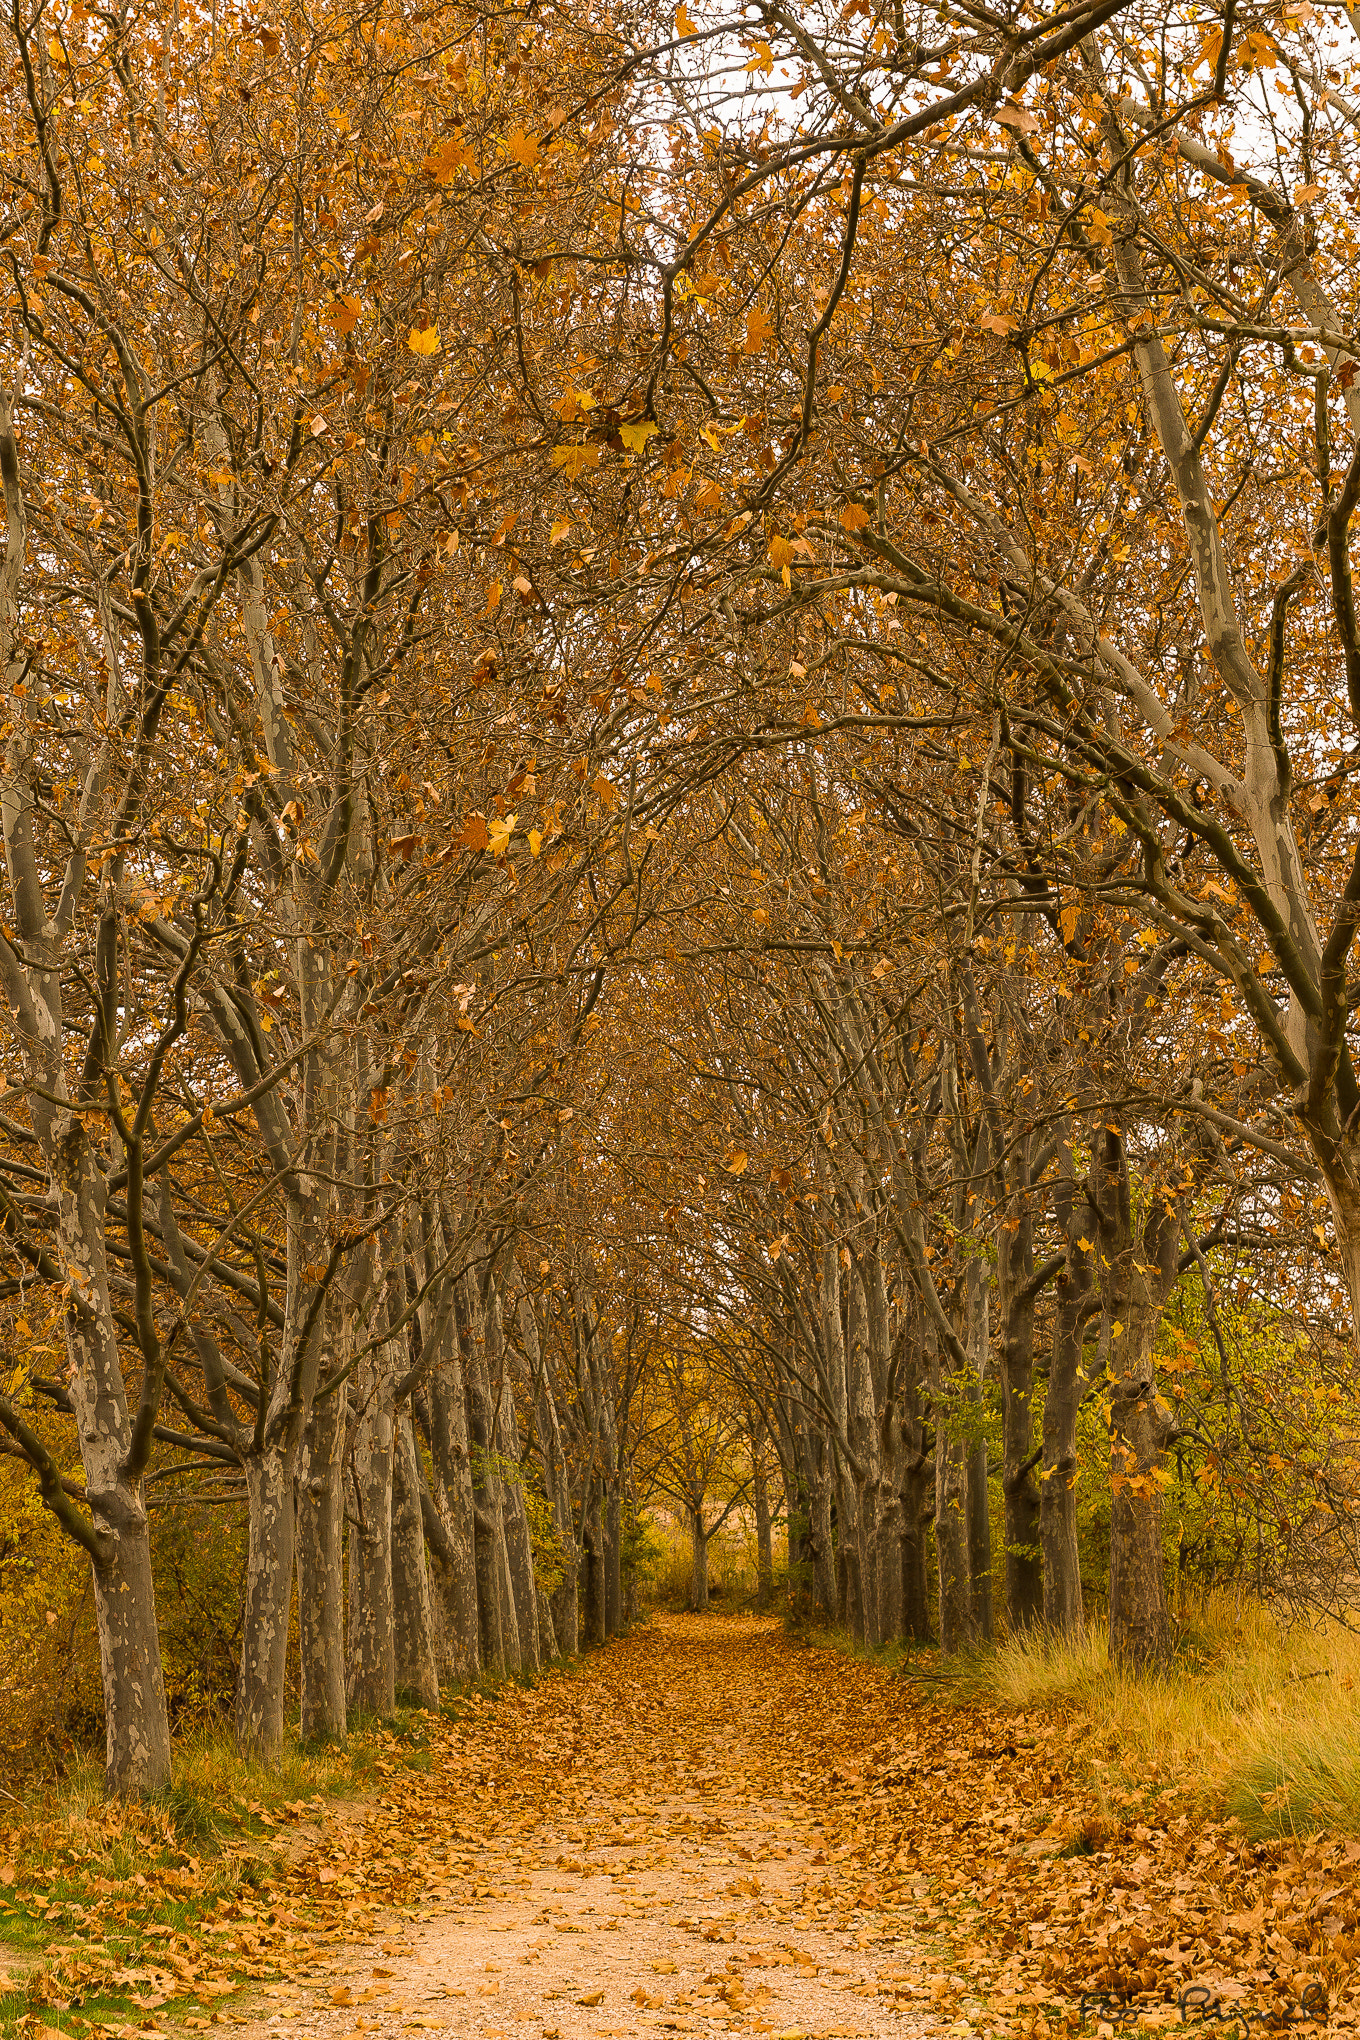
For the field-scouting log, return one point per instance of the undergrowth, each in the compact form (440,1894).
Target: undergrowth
(1259,1716)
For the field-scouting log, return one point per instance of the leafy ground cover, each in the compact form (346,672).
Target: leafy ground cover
(709,1824)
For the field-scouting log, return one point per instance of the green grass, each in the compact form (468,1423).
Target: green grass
(101,1890)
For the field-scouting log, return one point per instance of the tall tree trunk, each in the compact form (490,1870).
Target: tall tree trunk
(979,1498)
(320,1568)
(415,1667)
(1058,1483)
(957,1629)
(764,1542)
(613,1559)
(821,1542)
(1139,1271)
(593,1540)
(261,1674)
(448,1513)
(556,1479)
(1020,1491)
(699,1541)
(518,1543)
(270,1468)
(370,1686)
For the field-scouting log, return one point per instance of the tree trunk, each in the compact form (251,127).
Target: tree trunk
(821,1543)
(270,1506)
(448,1518)
(320,1569)
(593,1540)
(951,1517)
(515,1520)
(415,1668)
(1020,1491)
(699,1539)
(1058,1481)
(764,1541)
(556,1481)
(978,1498)
(1139,1271)
(370,1686)
(136,1724)
(613,1561)
(548,1652)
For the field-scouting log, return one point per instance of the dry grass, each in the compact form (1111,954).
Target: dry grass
(1260,1715)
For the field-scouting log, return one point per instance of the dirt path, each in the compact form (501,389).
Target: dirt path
(640,1850)
(706,1827)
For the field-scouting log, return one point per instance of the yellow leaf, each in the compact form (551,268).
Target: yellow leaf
(1085,1246)
(426,342)
(763,60)
(683,24)
(635,437)
(781,552)
(854,517)
(576,459)
(535,842)
(54,50)
(561,528)
(1068,920)
(736,1166)
(710,438)
(493,596)
(522,148)
(498,834)
(810,719)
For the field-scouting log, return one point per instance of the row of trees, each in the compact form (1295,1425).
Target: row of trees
(680,706)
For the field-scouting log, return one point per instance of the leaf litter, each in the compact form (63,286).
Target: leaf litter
(709,1827)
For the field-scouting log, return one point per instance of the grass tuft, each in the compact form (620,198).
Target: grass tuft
(1263,1716)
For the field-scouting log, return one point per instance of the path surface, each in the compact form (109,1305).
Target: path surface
(668,1864)
(707,1828)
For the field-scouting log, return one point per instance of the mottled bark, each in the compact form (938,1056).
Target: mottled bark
(448,1513)
(415,1668)
(1058,1481)
(320,1568)
(1139,1269)
(370,1685)
(518,1543)
(556,1480)
(270,1510)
